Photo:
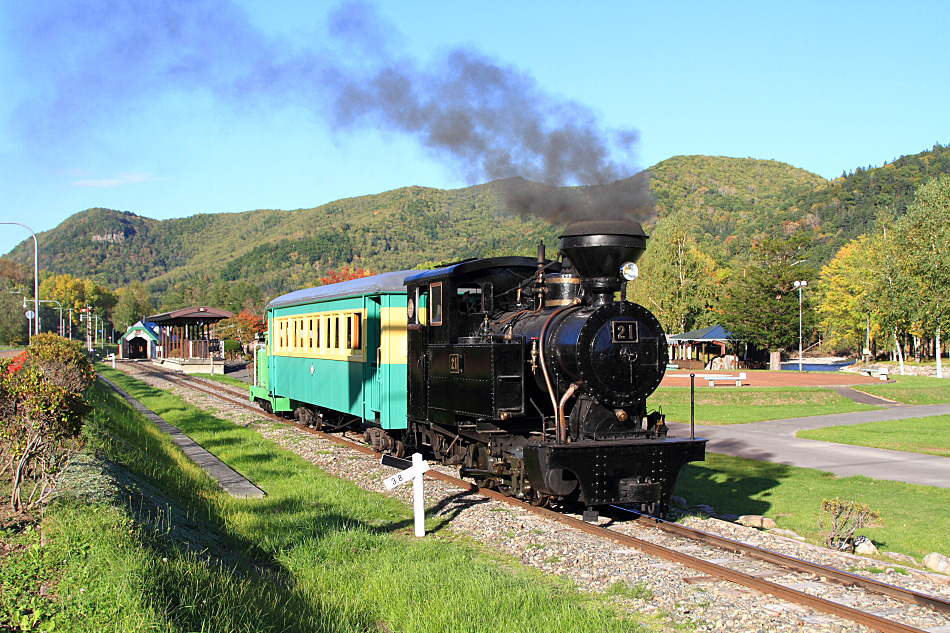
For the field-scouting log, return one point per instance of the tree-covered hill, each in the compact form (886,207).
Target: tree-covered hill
(729,198)
(730,202)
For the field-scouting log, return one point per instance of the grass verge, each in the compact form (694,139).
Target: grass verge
(792,496)
(929,435)
(228,380)
(752,404)
(911,389)
(156,545)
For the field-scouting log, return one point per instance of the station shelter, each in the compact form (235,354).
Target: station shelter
(186,339)
(700,349)
(139,342)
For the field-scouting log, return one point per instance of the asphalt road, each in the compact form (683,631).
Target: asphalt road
(775,441)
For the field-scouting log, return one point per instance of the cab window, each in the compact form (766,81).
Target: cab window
(435,303)
(469,299)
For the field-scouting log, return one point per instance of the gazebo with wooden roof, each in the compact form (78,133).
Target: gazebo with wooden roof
(186,336)
(694,350)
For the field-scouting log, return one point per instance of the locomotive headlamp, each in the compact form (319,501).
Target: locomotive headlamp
(629,271)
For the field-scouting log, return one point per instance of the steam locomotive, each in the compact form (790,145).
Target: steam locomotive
(526,373)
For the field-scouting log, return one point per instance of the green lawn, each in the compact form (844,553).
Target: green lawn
(173,552)
(912,389)
(228,380)
(792,496)
(919,435)
(718,405)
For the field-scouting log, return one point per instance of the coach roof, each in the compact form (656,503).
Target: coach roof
(373,285)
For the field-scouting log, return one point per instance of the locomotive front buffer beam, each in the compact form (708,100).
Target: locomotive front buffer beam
(611,472)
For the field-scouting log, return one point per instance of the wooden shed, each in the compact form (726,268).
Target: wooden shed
(186,339)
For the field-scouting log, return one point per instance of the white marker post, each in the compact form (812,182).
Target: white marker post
(410,471)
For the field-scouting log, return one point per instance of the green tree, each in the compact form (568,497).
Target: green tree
(923,237)
(134,304)
(15,283)
(761,302)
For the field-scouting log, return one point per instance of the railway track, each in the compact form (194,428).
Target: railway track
(711,555)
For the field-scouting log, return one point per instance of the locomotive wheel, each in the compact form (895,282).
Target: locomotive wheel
(480,461)
(540,500)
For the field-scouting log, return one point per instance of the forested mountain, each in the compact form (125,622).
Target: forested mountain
(730,203)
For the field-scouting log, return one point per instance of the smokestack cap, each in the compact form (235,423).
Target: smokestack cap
(603,227)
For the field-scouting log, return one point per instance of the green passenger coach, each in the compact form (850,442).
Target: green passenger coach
(335,355)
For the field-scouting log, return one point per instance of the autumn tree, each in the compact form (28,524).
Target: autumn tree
(678,282)
(77,293)
(848,287)
(344,274)
(242,326)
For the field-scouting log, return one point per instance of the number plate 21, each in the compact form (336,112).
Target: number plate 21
(625,332)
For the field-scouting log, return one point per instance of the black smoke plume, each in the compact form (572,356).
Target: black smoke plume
(105,58)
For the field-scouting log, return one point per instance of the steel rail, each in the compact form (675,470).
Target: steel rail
(796,564)
(761,585)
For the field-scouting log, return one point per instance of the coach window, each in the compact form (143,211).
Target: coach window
(435,300)
(353,334)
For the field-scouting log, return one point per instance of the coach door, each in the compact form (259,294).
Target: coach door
(373,374)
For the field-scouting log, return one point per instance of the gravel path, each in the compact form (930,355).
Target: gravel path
(649,585)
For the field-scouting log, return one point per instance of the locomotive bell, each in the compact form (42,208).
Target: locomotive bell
(598,249)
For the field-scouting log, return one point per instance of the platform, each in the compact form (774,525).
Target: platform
(192,365)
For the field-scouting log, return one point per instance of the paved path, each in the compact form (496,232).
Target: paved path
(775,441)
(230,480)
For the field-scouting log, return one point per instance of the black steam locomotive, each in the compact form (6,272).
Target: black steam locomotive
(527,373)
(534,379)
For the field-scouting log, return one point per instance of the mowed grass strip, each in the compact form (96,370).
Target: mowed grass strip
(317,554)
(742,405)
(910,514)
(911,389)
(929,435)
(229,380)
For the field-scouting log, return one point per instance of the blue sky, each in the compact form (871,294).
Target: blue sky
(169,109)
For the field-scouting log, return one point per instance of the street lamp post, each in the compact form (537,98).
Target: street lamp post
(800,285)
(36,275)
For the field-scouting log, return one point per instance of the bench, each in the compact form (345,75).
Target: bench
(736,379)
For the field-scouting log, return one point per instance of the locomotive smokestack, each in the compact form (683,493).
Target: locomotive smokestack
(598,249)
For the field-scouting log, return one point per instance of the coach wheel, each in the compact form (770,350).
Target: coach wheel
(399,449)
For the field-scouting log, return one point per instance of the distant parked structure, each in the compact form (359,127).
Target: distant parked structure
(186,340)
(139,342)
(701,348)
